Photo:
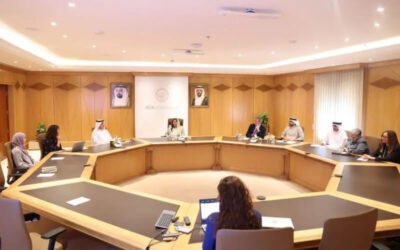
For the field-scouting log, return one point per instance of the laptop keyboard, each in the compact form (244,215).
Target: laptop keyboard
(165,219)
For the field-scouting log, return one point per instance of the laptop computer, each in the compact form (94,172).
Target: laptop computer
(78,146)
(207,207)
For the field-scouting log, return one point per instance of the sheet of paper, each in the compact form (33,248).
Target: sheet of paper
(362,159)
(78,201)
(276,222)
(291,142)
(57,158)
(45,175)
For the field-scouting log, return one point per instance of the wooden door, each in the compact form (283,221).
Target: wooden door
(4,125)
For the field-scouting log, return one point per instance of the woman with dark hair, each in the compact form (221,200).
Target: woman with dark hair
(235,211)
(388,150)
(51,142)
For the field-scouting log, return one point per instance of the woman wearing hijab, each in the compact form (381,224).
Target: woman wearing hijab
(22,159)
(100,134)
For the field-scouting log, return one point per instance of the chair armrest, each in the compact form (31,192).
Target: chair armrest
(53,233)
(2,189)
(31,217)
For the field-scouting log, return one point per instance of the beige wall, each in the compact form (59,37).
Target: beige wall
(234,100)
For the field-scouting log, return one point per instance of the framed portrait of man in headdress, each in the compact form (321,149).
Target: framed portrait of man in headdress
(198,95)
(120,95)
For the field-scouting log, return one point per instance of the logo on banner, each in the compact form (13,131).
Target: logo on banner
(162,95)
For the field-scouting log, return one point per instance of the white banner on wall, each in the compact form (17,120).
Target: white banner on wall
(158,98)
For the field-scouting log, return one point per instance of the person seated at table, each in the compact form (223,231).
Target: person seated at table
(356,144)
(235,211)
(175,128)
(52,140)
(100,134)
(256,129)
(293,132)
(21,157)
(388,149)
(336,138)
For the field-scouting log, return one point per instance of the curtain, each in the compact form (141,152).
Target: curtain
(338,97)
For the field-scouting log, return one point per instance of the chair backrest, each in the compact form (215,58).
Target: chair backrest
(40,139)
(171,119)
(349,233)
(2,179)
(261,239)
(13,232)
(373,142)
(10,159)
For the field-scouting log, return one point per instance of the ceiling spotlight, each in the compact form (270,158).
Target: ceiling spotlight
(272,52)
(94,46)
(71,4)
(123,51)
(53,24)
(377,25)
(65,36)
(16,62)
(163,55)
(370,59)
(380,9)
(29,66)
(347,39)
(316,47)
(239,55)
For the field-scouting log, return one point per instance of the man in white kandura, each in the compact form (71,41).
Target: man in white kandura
(200,98)
(120,97)
(293,132)
(336,138)
(100,134)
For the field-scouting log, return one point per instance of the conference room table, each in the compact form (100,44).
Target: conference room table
(341,184)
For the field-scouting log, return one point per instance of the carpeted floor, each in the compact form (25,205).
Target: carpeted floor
(190,186)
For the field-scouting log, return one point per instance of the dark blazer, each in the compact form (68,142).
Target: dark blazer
(50,145)
(381,154)
(260,133)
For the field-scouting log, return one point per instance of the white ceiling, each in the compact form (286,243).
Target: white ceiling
(149,31)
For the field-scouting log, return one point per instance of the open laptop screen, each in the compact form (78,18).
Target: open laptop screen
(207,207)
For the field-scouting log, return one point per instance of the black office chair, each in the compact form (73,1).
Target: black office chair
(13,172)
(13,231)
(180,120)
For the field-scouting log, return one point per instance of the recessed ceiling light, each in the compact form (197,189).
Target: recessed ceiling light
(163,55)
(370,59)
(377,25)
(16,62)
(316,47)
(29,66)
(71,4)
(197,56)
(380,9)
(123,51)
(40,69)
(53,24)
(272,52)
(65,36)
(347,39)
(239,55)
(94,46)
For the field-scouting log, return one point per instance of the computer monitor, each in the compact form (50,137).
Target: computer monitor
(207,207)
(78,146)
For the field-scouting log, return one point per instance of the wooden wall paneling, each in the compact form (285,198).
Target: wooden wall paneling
(95,101)
(263,94)
(17,104)
(221,106)
(39,102)
(68,106)
(200,118)
(243,103)
(383,100)
(281,106)
(4,119)
(120,120)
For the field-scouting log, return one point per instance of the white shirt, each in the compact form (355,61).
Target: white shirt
(294,133)
(101,136)
(336,139)
(178,131)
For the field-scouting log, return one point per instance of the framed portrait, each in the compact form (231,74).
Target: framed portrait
(198,96)
(120,95)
